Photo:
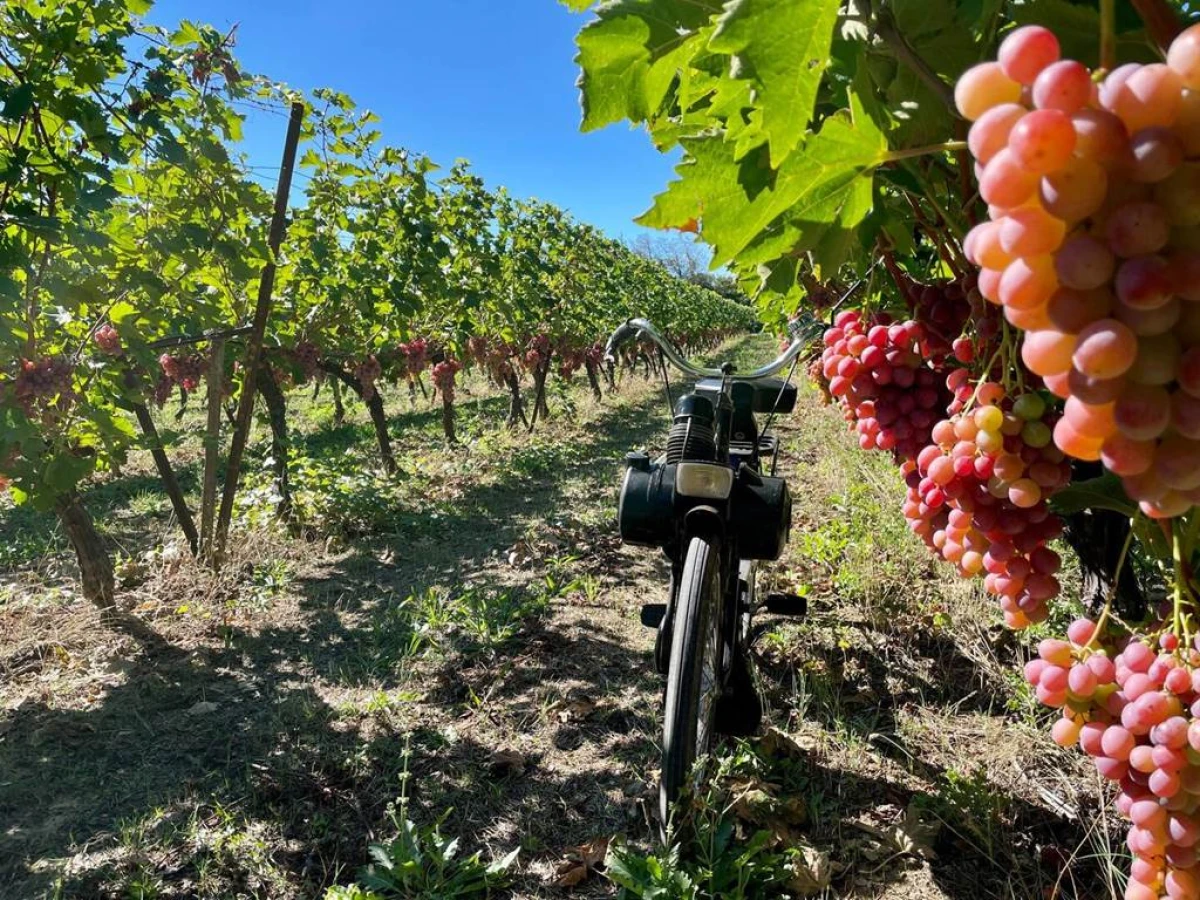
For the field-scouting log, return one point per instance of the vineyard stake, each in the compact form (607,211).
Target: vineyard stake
(167,474)
(262,310)
(212,446)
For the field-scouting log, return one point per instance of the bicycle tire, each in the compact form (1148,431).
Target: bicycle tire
(691,699)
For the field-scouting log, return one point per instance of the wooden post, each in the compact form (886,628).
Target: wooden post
(167,474)
(212,446)
(262,309)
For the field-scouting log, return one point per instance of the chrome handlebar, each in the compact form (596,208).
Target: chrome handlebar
(644,328)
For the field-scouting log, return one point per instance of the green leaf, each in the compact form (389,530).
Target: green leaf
(630,55)
(1104,492)
(18,102)
(826,186)
(65,470)
(784,46)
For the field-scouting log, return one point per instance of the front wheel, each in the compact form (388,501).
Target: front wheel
(694,676)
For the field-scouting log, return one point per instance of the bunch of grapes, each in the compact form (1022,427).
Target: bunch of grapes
(1134,708)
(307,356)
(890,394)
(443,377)
(478,350)
(44,384)
(186,370)
(977,497)
(108,340)
(1090,248)
(570,362)
(367,372)
(943,309)
(416,353)
(594,355)
(536,352)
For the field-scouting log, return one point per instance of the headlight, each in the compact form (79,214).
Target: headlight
(711,481)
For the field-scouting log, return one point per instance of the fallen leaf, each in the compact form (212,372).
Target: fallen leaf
(580,861)
(202,708)
(811,872)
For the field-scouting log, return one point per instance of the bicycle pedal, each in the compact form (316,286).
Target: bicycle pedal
(653,613)
(786,604)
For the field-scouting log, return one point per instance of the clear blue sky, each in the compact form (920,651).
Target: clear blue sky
(486,80)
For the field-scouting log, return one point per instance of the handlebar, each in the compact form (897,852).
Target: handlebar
(644,328)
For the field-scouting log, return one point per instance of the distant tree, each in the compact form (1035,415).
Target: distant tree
(688,259)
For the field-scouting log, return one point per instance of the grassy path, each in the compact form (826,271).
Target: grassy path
(470,630)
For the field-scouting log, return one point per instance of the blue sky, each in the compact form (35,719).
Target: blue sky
(489,81)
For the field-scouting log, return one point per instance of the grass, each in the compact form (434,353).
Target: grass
(455,653)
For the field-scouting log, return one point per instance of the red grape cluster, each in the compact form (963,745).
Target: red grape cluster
(537,352)
(443,377)
(43,384)
(186,370)
(367,372)
(594,355)
(307,357)
(1091,248)
(416,354)
(570,362)
(874,368)
(108,340)
(1136,713)
(943,309)
(977,497)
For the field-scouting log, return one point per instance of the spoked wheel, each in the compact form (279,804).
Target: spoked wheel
(694,678)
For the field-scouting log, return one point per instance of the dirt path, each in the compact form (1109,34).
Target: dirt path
(244,737)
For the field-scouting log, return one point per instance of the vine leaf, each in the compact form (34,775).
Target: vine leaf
(784,47)
(1104,492)
(630,54)
(815,196)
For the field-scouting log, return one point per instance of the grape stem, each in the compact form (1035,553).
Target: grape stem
(1112,593)
(1108,34)
(944,147)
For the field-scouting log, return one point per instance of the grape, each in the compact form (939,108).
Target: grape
(989,134)
(1184,57)
(1102,138)
(1143,412)
(443,375)
(1177,462)
(1028,282)
(1105,349)
(1047,352)
(1076,191)
(44,386)
(1073,310)
(1149,97)
(1125,456)
(1006,182)
(1031,232)
(367,372)
(1026,51)
(1157,153)
(1141,322)
(1157,360)
(1187,126)
(1144,282)
(1065,85)
(983,86)
(1185,415)
(1136,229)
(1179,195)
(1043,141)
(1189,371)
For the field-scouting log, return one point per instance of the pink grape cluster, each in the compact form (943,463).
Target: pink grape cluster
(43,384)
(888,392)
(977,497)
(1136,713)
(186,370)
(943,309)
(367,372)
(108,340)
(537,352)
(443,377)
(1093,248)
(569,362)
(416,356)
